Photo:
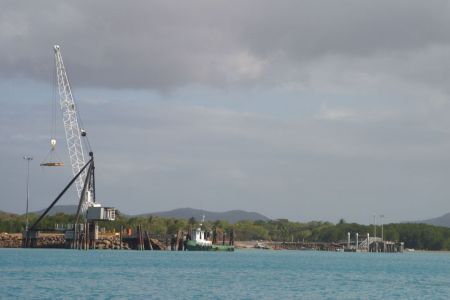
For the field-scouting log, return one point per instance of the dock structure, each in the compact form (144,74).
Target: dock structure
(303,245)
(373,244)
(366,245)
(140,239)
(42,239)
(84,237)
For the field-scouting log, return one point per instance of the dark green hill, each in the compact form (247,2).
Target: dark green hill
(231,216)
(443,221)
(66,209)
(6,215)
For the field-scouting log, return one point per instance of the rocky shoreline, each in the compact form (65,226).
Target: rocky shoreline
(57,241)
(10,240)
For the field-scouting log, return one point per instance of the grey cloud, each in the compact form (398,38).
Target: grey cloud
(368,129)
(168,44)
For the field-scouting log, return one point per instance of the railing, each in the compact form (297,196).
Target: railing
(363,244)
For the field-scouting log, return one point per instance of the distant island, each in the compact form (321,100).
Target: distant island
(439,221)
(231,216)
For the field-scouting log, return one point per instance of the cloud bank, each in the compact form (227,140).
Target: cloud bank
(298,109)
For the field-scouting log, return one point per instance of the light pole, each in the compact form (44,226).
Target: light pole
(375,232)
(382,233)
(27,158)
(381,220)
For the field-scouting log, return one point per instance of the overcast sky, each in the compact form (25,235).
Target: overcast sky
(307,110)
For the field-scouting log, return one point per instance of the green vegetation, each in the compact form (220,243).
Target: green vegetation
(418,236)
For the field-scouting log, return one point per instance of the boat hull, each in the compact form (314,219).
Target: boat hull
(193,246)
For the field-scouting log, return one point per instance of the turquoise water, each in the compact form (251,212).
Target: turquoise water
(246,274)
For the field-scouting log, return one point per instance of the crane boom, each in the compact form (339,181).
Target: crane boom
(71,126)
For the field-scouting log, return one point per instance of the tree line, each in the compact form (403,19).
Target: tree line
(414,235)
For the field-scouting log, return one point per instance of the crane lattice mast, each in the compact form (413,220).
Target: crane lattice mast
(71,127)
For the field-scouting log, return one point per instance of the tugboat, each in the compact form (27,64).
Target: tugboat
(199,240)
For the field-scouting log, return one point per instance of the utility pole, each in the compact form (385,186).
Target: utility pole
(375,232)
(382,233)
(368,242)
(348,240)
(27,158)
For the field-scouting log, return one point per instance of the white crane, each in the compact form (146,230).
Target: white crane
(71,127)
(83,171)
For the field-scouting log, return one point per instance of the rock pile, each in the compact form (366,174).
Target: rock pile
(51,241)
(10,240)
(110,243)
(47,240)
(158,245)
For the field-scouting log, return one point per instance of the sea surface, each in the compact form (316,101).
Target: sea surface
(244,274)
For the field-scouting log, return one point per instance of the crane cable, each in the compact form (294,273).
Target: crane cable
(52,159)
(54,109)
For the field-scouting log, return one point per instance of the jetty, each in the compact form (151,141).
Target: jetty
(369,244)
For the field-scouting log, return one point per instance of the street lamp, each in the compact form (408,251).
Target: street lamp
(375,232)
(381,221)
(27,158)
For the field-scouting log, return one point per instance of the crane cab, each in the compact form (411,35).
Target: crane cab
(99,213)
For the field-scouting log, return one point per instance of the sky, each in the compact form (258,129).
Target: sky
(306,110)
